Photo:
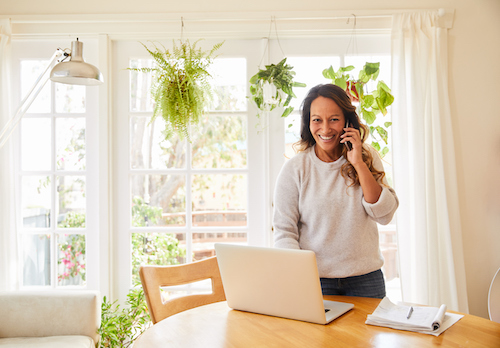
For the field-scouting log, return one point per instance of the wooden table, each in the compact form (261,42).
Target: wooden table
(216,325)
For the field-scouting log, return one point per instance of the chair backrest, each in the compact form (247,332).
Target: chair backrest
(155,277)
(494,298)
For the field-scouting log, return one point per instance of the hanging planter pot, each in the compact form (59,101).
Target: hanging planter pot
(273,87)
(181,84)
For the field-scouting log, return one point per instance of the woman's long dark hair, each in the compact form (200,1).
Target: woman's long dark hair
(340,97)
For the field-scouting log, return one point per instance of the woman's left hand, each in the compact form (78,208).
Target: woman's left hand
(352,135)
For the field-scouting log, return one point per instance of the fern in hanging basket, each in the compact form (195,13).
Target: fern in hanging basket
(273,87)
(180,88)
(371,103)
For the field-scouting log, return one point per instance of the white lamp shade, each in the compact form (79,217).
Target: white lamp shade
(76,71)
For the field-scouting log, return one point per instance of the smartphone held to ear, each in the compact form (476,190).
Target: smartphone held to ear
(348,144)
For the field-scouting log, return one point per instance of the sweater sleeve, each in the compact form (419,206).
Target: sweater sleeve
(286,208)
(383,210)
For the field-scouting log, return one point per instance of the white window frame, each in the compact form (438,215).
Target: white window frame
(258,221)
(43,50)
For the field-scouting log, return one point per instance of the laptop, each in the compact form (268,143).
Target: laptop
(279,282)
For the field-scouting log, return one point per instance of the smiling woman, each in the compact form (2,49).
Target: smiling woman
(349,188)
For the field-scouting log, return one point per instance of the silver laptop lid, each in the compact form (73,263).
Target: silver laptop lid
(278,282)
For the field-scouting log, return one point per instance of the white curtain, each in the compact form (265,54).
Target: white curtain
(8,245)
(429,234)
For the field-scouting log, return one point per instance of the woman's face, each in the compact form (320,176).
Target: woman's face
(327,125)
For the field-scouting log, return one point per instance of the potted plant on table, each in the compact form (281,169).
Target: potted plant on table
(181,88)
(370,103)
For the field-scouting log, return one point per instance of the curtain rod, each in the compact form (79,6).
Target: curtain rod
(213,16)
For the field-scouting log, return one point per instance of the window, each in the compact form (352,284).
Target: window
(56,227)
(178,197)
(170,200)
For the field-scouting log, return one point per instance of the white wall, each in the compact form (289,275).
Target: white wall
(474,54)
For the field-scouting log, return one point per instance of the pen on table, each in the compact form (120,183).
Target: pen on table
(410,311)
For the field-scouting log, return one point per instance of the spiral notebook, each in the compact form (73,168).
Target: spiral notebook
(423,319)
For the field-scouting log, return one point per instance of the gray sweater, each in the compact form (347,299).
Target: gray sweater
(315,210)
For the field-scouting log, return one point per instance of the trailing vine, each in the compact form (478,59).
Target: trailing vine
(371,103)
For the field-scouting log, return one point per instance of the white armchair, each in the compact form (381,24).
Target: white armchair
(49,319)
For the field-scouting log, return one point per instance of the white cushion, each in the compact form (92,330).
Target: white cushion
(48,342)
(43,314)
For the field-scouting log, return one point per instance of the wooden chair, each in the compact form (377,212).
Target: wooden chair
(155,277)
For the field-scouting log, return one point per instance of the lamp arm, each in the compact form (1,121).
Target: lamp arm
(28,100)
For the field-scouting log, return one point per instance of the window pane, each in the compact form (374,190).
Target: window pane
(71,201)
(203,243)
(229,84)
(30,71)
(36,201)
(35,259)
(309,70)
(36,143)
(222,142)
(70,143)
(158,200)
(140,86)
(70,98)
(219,200)
(150,150)
(71,259)
(156,249)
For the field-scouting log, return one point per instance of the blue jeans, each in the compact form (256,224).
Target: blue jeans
(367,285)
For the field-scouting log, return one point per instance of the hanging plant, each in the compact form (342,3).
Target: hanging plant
(371,103)
(273,87)
(180,88)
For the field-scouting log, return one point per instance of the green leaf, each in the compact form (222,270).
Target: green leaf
(345,69)
(371,68)
(372,129)
(368,116)
(287,111)
(383,100)
(382,85)
(375,145)
(341,82)
(382,132)
(367,101)
(254,79)
(384,152)
(363,77)
(329,73)
(387,124)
